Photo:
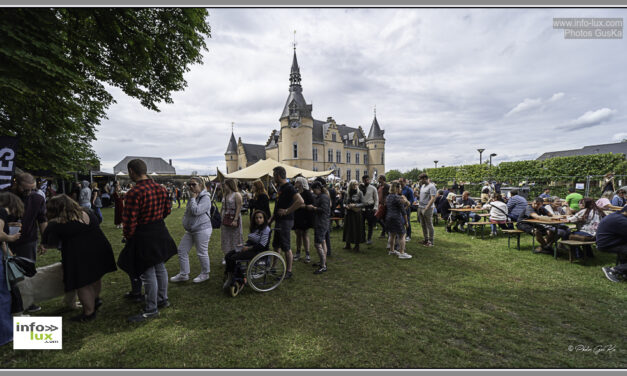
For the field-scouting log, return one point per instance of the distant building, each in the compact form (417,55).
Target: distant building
(155,166)
(312,144)
(617,148)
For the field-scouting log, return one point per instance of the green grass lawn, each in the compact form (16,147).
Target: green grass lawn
(465,303)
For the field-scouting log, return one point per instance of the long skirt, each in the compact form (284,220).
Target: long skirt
(353,228)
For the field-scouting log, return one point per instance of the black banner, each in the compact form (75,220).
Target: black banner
(8,154)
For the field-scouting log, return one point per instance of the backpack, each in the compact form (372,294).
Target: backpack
(214,215)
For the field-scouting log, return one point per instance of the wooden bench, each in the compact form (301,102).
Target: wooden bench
(511,233)
(474,226)
(575,243)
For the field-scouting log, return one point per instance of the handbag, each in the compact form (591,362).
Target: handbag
(229,220)
(14,270)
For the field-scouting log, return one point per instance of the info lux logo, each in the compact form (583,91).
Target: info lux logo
(37,333)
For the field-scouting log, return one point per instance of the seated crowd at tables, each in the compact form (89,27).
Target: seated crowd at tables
(63,223)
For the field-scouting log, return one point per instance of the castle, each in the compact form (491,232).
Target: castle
(312,144)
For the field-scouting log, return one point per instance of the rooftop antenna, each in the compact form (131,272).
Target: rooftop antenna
(375,110)
(232,125)
(294,44)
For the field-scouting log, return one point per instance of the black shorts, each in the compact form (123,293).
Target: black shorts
(282,235)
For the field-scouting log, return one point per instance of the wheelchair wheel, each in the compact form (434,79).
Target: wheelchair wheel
(265,271)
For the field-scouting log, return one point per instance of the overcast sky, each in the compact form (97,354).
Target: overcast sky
(444,81)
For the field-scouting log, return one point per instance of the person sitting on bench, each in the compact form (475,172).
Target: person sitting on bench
(612,237)
(588,218)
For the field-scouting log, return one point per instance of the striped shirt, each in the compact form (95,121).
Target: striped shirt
(259,239)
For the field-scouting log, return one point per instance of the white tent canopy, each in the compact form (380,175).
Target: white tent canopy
(264,167)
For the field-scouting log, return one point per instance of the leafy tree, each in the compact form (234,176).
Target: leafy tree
(393,175)
(54,63)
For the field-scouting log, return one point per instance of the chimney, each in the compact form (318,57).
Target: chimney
(170,162)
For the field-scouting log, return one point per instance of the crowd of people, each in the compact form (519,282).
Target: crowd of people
(32,222)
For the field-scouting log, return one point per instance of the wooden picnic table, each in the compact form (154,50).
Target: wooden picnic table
(466,210)
(554,222)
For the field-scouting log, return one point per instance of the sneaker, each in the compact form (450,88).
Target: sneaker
(296,256)
(201,277)
(163,304)
(610,274)
(33,308)
(407,239)
(288,275)
(143,316)
(428,244)
(369,242)
(321,270)
(307,259)
(179,278)
(542,250)
(223,262)
(396,253)
(404,256)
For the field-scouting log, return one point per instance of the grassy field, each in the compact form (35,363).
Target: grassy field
(465,303)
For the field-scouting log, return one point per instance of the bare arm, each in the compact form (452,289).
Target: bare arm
(298,203)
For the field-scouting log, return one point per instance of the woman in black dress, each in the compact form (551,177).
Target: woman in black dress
(303,219)
(260,200)
(353,227)
(86,253)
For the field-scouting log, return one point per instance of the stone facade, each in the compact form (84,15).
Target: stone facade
(305,142)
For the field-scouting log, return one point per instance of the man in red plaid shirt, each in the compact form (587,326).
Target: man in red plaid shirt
(148,242)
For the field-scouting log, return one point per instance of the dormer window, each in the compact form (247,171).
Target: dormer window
(333,138)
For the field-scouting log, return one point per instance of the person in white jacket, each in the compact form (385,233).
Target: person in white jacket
(197,225)
(498,212)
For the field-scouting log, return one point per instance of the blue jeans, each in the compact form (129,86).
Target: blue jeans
(155,281)
(6,319)
(98,213)
(409,222)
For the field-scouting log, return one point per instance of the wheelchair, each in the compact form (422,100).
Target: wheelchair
(263,273)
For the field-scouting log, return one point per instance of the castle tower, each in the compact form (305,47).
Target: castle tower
(231,155)
(376,149)
(295,147)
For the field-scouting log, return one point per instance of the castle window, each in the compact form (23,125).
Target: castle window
(315,168)
(382,158)
(357,174)
(357,158)
(348,157)
(365,159)
(315,154)
(338,156)
(330,156)
(339,173)
(333,137)
(348,175)
(295,151)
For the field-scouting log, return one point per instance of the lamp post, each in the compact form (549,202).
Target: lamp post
(436,164)
(492,155)
(480,151)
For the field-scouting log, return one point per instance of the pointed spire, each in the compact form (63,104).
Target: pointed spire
(295,71)
(375,131)
(232,148)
